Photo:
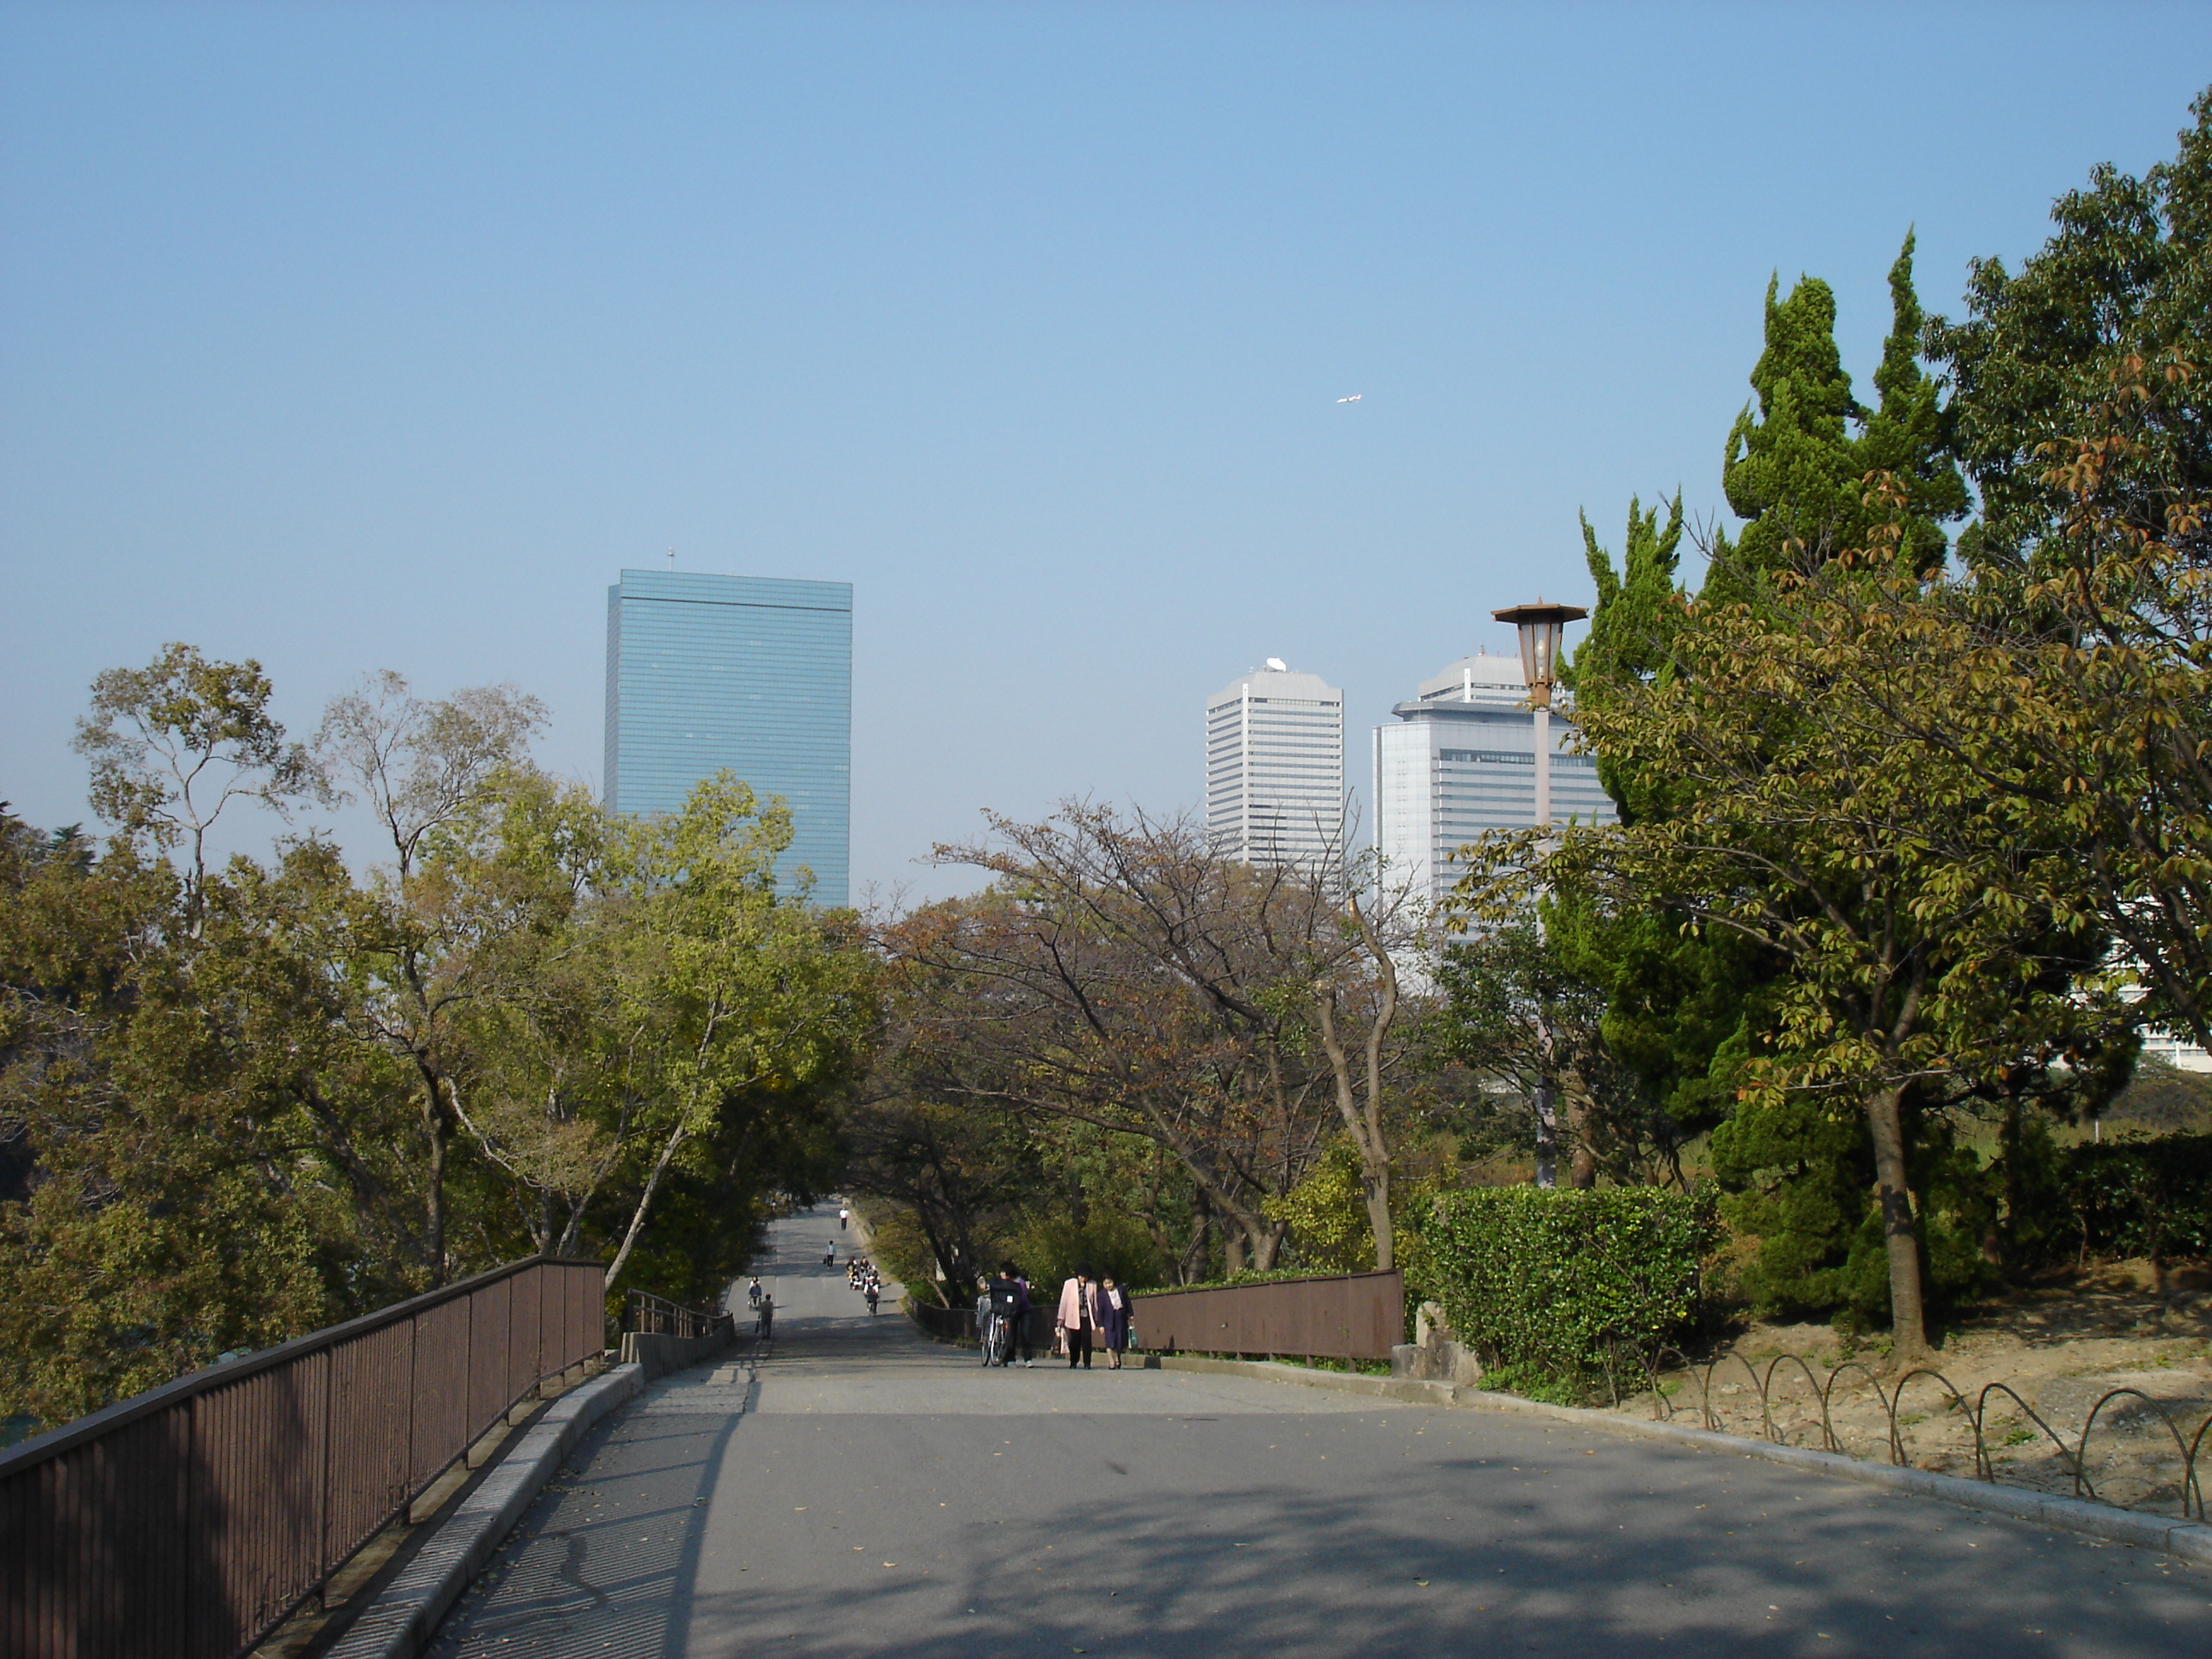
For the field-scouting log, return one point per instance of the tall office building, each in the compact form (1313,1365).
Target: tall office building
(1274,768)
(1460,758)
(752,673)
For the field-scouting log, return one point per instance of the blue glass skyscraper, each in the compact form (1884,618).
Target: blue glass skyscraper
(752,673)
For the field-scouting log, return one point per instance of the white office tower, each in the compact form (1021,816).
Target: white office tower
(1274,768)
(1460,758)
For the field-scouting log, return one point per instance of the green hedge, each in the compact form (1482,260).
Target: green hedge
(1249,1276)
(1559,1283)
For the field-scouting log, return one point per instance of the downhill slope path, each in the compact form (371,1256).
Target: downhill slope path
(856,1489)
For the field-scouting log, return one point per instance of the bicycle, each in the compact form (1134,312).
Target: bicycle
(996,1339)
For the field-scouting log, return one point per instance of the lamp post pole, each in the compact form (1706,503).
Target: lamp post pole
(1541,628)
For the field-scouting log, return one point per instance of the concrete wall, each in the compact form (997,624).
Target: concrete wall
(660,1355)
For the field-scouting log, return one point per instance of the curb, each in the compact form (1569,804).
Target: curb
(406,1615)
(2192,1540)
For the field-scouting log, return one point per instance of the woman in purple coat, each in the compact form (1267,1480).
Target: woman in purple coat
(1113,1320)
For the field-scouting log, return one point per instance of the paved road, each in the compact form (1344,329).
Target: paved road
(859,1491)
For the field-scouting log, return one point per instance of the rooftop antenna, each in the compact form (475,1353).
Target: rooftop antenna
(671,558)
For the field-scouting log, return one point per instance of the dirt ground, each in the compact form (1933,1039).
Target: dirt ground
(2052,1351)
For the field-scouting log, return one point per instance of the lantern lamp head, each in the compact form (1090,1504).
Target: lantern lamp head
(1542,627)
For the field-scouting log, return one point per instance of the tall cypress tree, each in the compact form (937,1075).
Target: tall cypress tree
(1800,471)
(1632,625)
(1908,437)
(1787,472)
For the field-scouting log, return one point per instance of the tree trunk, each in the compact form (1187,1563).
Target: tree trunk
(1365,1127)
(644,1202)
(1266,1240)
(434,1217)
(1907,1316)
(1375,1187)
(1198,1261)
(1582,1149)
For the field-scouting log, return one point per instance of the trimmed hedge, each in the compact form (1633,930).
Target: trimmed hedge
(1560,1283)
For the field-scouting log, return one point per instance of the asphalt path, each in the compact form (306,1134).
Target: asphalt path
(857,1489)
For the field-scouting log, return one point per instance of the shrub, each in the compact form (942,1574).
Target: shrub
(2151,1197)
(1556,1283)
(1049,1248)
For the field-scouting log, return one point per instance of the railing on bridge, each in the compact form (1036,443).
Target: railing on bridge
(647,1315)
(193,1519)
(1344,1316)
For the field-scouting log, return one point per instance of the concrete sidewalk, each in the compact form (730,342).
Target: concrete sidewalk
(859,1491)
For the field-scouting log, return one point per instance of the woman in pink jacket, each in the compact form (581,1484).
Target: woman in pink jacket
(1079,1315)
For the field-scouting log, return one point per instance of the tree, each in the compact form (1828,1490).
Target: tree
(429,942)
(420,766)
(1924,926)
(1513,1011)
(1797,472)
(747,1000)
(2123,280)
(2081,413)
(163,1211)
(172,744)
(1124,977)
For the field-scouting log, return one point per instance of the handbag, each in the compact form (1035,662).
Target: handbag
(1059,1342)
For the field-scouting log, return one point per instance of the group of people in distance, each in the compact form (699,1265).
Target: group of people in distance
(1093,1316)
(860,1273)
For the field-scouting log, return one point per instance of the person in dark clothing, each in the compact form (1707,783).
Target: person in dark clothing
(1023,1308)
(1113,1321)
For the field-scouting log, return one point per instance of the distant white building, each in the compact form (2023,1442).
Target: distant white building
(1274,768)
(2178,1052)
(1460,758)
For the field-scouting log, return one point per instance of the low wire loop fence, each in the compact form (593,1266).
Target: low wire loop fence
(1946,1403)
(1342,1316)
(193,1519)
(647,1315)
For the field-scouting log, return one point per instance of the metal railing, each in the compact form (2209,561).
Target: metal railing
(1945,1405)
(193,1519)
(958,1324)
(1343,1317)
(647,1315)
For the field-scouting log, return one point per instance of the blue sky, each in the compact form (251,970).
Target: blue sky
(351,337)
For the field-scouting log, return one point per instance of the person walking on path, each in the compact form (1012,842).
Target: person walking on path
(1022,1307)
(1113,1321)
(874,1292)
(1079,1315)
(764,1324)
(753,1292)
(843,1216)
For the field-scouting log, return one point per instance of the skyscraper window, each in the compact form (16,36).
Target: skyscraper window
(753,674)
(1459,759)
(1274,747)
